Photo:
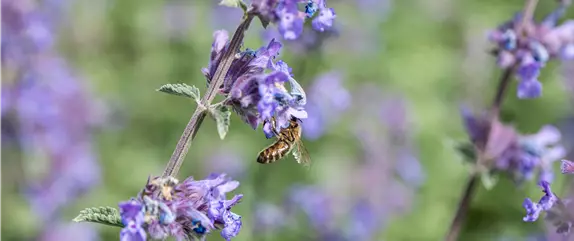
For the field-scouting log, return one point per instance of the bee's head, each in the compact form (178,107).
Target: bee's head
(296,120)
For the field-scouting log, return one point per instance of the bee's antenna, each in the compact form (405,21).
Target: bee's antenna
(293,118)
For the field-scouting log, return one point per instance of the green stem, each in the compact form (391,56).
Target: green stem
(198,116)
(471,185)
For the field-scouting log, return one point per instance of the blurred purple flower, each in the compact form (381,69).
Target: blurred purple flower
(500,137)
(54,111)
(132,218)
(226,160)
(290,20)
(324,20)
(314,203)
(268,217)
(521,156)
(546,202)
(328,99)
(224,17)
(69,231)
(179,17)
(309,40)
(543,41)
(559,213)
(364,222)
(186,210)
(533,152)
(254,95)
(376,8)
(529,86)
(567,167)
(409,168)
(561,217)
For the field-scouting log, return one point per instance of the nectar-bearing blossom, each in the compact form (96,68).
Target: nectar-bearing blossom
(559,212)
(186,210)
(290,15)
(531,153)
(546,202)
(254,86)
(567,167)
(542,42)
(521,156)
(328,99)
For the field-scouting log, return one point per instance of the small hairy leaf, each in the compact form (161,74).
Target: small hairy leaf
(222,115)
(467,151)
(488,180)
(181,90)
(234,4)
(104,215)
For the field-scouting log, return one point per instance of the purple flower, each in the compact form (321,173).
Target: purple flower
(531,153)
(268,217)
(133,218)
(290,20)
(55,115)
(64,230)
(226,160)
(546,202)
(543,41)
(314,203)
(179,18)
(364,222)
(224,17)
(561,216)
(567,167)
(328,99)
(186,210)
(254,95)
(529,86)
(325,18)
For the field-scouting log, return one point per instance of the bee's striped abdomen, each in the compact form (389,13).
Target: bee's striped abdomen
(274,152)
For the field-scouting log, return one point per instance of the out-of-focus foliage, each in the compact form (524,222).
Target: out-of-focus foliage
(407,66)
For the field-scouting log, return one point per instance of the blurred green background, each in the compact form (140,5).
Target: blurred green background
(432,54)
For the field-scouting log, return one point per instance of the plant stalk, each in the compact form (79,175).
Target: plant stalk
(200,113)
(505,79)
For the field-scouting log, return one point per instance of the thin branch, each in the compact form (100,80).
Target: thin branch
(505,79)
(462,209)
(198,116)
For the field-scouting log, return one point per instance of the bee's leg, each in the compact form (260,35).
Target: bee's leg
(272,123)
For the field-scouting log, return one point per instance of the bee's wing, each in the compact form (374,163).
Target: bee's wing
(301,154)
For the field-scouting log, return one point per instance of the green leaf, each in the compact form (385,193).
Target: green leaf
(222,115)
(467,151)
(181,90)
(104,215)
(234,4)
(488,180)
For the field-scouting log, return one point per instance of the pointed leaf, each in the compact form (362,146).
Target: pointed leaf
(222,116)
(104,215)
(234,4)
(181,90)
(467,151)
(488,180)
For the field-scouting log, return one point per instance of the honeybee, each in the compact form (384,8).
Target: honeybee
(166,185)
(288,140)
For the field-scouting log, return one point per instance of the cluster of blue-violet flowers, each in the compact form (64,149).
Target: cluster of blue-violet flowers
(255,85)
(290,15)
(520,156)
(530,52)
(188,210)
(559,212)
